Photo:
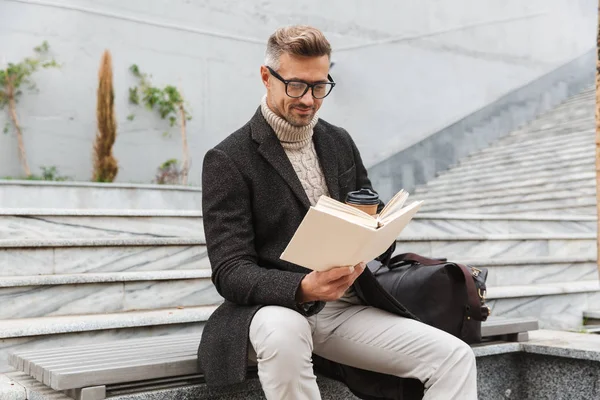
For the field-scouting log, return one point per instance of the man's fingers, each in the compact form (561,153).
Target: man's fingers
(336,273)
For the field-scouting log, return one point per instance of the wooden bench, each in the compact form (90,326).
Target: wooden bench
(90,372)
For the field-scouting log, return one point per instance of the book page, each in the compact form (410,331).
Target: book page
(388,233)
(343,210)
(398,213)
(323,241)
(394,204)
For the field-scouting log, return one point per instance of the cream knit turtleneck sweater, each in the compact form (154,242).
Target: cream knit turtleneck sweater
(298,145)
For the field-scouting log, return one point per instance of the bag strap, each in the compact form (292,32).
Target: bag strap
(476,310)
(412,258)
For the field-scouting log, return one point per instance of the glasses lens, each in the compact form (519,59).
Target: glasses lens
(296,89)
(321,90)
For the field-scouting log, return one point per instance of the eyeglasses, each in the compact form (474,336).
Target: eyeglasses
(296,89)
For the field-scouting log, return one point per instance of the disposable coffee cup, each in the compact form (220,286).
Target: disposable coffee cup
(364,199)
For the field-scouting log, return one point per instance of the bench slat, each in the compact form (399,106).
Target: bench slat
(133,360)
(150,370)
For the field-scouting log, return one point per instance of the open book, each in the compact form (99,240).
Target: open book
(334,234)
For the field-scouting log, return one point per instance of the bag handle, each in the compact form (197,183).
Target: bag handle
(412,258)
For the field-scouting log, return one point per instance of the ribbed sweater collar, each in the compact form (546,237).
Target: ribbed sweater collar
(291,137)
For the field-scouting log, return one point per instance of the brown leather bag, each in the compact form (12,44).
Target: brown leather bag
(443,294)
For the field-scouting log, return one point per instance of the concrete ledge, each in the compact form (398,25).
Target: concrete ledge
(11,390)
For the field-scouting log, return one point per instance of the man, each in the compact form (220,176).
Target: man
(257,186)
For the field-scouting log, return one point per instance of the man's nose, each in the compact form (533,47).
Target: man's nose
(307,99)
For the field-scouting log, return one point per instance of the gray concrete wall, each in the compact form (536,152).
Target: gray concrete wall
(405,69)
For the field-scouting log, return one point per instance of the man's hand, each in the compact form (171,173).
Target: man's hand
(329,285)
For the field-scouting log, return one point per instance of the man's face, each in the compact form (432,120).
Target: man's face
(298,112)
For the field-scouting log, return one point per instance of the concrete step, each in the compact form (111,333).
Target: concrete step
(440,197)
(68,256)
(65,223)
(45,332)
(572,205)
(569,196)
(436,224)
(527,146)
(549,127)
(498,167)
(56,295)
(88,195)
(506,246)
(496,187)
(592,316)
(556,305)
(527,169)
(538,270)
(572,151)
(574,171)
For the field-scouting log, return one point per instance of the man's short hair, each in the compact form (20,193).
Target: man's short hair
(298,40)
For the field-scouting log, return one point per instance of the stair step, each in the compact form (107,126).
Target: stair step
(515,179)
(26,327)
(79,224)
(586,205)
(579,141)
(556,306)
(526,167)
(539,270)
(499,245)
(551,187)
(90,195)
(424,224)
(502,187)
(547,157)
(103,242)
(19,261)
(42,296)
(51,332)
(74,279)
(540,165)
(561,197)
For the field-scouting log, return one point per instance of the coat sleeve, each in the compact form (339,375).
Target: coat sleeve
(363,181)
(227,215)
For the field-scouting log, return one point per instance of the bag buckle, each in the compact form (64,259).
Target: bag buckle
(475,271)
(481,294)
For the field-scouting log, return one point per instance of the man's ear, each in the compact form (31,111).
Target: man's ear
(264,75)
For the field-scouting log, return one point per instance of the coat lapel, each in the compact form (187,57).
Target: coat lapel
(270,148)
(326,151)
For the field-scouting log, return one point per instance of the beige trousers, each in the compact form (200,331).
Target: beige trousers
(364,337)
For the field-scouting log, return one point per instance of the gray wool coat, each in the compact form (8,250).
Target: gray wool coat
(252,202)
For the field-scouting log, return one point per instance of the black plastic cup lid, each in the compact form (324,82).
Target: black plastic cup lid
(362,197)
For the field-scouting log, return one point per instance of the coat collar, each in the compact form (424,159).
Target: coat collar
(269,147)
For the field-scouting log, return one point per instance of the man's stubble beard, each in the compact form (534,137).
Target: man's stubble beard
(299,122)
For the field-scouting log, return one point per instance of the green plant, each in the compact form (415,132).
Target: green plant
(105,164)
(12,79)
(168,173)
(170,105)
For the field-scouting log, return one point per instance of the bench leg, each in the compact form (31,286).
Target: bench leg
(88,393)
(518,337)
